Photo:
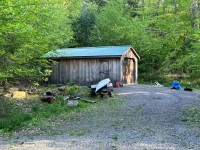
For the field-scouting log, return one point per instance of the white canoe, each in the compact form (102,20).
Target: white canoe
(102,83)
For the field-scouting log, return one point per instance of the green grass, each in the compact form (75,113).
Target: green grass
(19,118)
(115,138)
(12,117)
(191,116)
(34,113)
(15,115)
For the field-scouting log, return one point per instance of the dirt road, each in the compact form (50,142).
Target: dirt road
(143,117)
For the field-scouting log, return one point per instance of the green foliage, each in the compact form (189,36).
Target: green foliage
(100,3)
(172,51)
(191,115)
(72,90)
(28,31)
(112,24)
(76,90)
(164,33)
(83,25)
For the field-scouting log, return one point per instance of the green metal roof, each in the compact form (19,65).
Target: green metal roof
(103,51)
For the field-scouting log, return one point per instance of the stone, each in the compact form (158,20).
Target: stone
(72,103)
(9,95)
(19,94)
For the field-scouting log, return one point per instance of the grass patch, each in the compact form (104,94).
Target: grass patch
(5,105)
(191,116)
(12,117)
(32,113)
(15,115)
(115,138)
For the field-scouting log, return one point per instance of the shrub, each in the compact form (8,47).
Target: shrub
(76,90)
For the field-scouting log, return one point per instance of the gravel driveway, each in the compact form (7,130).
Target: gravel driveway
(143,117)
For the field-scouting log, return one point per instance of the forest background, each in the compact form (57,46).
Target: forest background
(165,33)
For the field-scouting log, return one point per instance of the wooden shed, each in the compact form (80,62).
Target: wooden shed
(89,65)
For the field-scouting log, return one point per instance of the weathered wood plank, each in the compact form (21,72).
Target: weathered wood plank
(86,71)
(62,71)
(65,70)
(97,71)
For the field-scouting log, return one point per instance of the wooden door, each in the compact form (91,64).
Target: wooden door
(128,71)
(103,69)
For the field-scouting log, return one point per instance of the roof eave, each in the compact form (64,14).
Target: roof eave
(70,57)
(136,54)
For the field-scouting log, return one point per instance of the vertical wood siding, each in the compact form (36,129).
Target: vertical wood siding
(87,71)
(130,67)
(84,71)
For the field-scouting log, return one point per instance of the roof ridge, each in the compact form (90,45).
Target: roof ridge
(101,51)
(90,47)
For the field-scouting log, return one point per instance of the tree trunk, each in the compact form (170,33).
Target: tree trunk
(175,10)
(195,13)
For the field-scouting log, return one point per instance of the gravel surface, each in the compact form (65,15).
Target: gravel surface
(143,117)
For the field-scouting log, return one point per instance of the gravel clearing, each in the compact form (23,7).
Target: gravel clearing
(143,117)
